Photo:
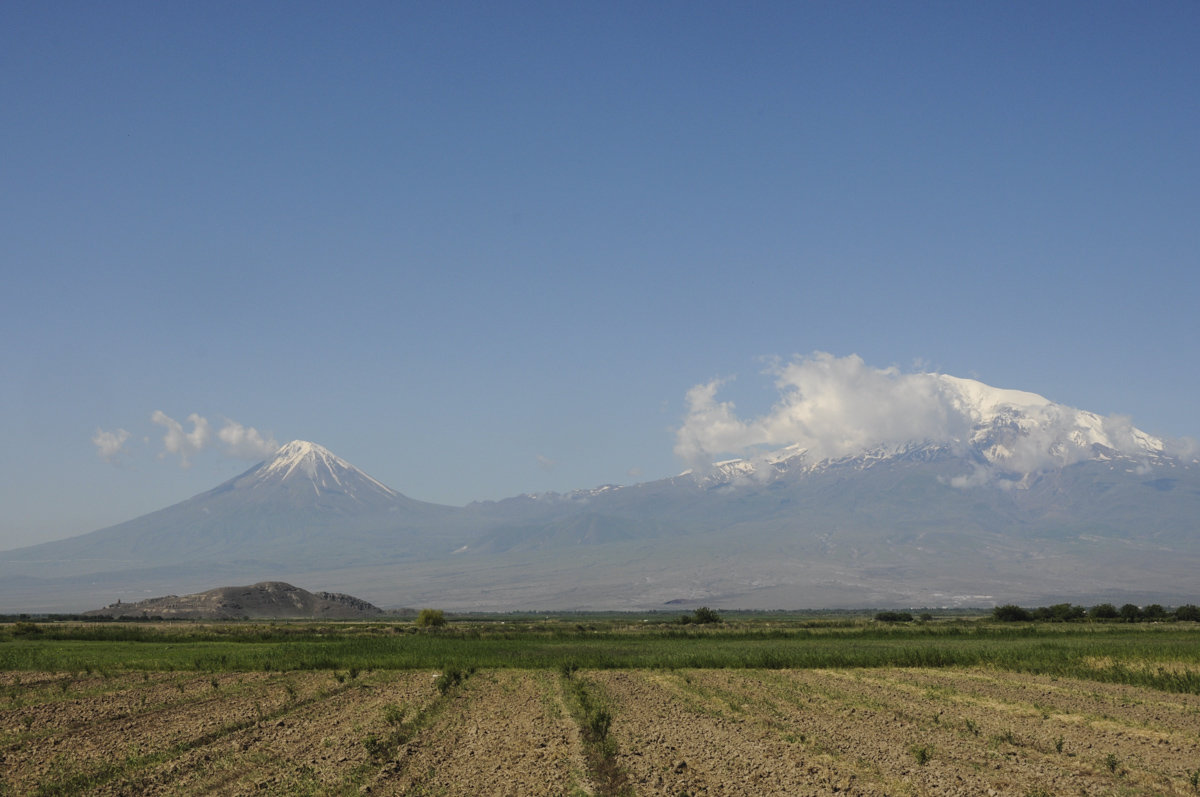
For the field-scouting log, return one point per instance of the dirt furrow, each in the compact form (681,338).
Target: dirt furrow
(673,741)
(498,734)
(70,738)
(318,748)
(940,748)
(1069,726)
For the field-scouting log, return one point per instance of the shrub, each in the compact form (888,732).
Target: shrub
(26,629)
(431,618)
(599,722)
(377,748)
(894,617)
(449,678)
(393,714)
(1011,613)
(1131,613)
(1104,611)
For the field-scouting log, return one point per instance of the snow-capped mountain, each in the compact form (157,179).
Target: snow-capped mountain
(1004,435)
(988,496)
(302,507)
(317,468)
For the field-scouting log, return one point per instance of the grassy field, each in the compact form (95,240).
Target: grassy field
(1160,656)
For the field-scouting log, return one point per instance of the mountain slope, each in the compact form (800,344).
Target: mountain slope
(1002,496)
(302,506)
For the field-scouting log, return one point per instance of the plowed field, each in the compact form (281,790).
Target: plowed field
(666,732)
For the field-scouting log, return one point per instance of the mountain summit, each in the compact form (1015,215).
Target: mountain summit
(301,507)
(884,489)
(1004,437)
(306,473)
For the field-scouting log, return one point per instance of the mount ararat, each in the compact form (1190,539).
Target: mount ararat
(1014,499)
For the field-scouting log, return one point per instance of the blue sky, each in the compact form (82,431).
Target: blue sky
(485,249)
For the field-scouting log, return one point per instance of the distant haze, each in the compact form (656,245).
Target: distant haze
(1025,501)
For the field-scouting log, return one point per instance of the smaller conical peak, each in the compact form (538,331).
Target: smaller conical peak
(301,448)
(320,465)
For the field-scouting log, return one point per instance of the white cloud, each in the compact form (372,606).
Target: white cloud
(829,406)
(545,463)
(246,442)
(232,440)
(176,441)
(839,406)
(109,445)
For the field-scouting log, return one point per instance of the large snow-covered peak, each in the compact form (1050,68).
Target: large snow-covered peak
(1029,432)
(879,416)
(313,463)
(984,402)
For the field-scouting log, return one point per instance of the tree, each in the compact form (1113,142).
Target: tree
(1130,613)
(1011,613)
(430,618)
(1154,612)
(1189,611)
(705,615)
(1104,611)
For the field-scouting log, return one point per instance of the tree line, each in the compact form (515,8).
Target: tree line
(1103,612)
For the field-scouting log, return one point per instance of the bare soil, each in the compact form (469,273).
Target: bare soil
(508,732)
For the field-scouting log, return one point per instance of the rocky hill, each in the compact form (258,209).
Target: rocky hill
(264,600)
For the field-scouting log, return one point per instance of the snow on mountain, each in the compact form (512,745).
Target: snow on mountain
(318,467)
(1002,432)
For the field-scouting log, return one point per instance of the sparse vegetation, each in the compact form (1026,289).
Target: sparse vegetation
(647,726)
(921,754)
(451,677)
(589,708)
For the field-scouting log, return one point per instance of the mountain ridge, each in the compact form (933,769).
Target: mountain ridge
(1010,498)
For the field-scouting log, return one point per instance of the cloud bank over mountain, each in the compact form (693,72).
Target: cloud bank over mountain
(831,407)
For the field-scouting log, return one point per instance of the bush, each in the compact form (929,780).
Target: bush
(1011,613)
(26,629)
(1104,611)
(450,677)
(701,616)
(431,618)
(894,617)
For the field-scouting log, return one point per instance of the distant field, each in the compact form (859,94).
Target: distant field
(558,707)
(1160,656)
